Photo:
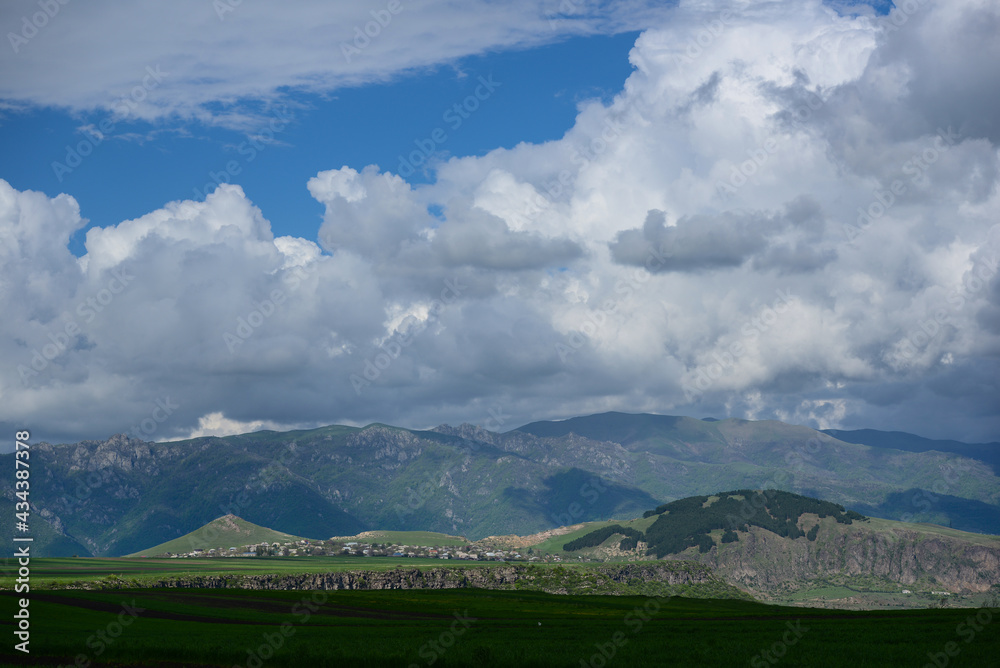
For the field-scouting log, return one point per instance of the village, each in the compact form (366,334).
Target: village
(308,548)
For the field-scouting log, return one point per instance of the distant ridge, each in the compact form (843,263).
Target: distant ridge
(900,440)
(612,426)
(468,481)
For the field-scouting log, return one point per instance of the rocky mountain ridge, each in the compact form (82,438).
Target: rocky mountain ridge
(122,495)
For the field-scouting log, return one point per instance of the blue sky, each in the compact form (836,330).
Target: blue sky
(768,210)
(168,160)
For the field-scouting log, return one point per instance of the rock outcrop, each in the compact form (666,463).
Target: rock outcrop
(665,578)
(763,562)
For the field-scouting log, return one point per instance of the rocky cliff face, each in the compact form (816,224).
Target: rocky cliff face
(666,578)
(762,561)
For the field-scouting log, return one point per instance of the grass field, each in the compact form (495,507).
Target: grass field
(555,544)
(933,530)
(64,571)
(464,627)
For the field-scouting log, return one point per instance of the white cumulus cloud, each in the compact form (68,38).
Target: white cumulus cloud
(785,213)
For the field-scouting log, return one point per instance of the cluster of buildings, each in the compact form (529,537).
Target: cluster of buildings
(299,548)
(307,548)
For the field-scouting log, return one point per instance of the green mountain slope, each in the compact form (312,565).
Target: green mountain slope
(898,440)
(687,457)
(122,495)
(47,540)
(690,522)
(219,534)
(788,547)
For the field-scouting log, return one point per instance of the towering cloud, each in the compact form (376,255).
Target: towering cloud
(787,212)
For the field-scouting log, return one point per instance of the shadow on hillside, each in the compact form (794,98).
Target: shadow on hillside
(576,495)
(926,506)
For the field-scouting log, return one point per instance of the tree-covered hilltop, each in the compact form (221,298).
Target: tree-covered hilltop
(595,538)
(688,522)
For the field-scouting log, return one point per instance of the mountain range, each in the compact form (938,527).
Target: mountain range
(122,495)
(765,544)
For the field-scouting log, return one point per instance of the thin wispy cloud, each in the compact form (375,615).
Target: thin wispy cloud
(222,60)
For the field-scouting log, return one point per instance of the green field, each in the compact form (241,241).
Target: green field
(60,572)
(197,627)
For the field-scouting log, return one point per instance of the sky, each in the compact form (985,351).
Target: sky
(220,216)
